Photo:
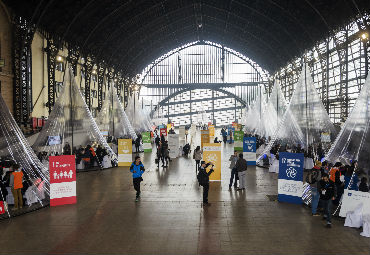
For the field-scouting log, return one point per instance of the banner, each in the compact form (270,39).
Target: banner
(212,153)
(124,152)
(249,150)
(163,131)
(204,137)
(290,183)
(230,134)
(173,145)
(62,170)
(211,129)
(352,199)
(2,207)
(325,137)
(182,132)
(169,126)
(238,138)
(147,142)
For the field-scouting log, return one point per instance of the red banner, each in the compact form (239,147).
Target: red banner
(2,207)
(62,180)
(163,131)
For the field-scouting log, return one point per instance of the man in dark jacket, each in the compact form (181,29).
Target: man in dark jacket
(203,179)
(327,195)
(241,168)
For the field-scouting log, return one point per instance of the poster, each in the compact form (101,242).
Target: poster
(211,129)
(2,207)
(212,153)
(204,137)
(290,183)
(325,137)
(124,152)
(173,145)
(169,126)
(62,171)
(147,142)
(163,131)
(352,199)
(238,138)
(249,150)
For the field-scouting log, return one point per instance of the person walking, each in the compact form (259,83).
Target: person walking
(137,144)
(137,169)
(203,179)
(327,195)
(241,168)
(234,174)
(198,157)
(313,179)
(16,184)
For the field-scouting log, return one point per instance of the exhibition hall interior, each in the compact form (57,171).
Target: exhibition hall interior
(184,127)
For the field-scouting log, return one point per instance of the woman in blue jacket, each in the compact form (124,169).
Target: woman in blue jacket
(137,169)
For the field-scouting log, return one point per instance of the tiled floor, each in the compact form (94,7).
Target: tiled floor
(170,219)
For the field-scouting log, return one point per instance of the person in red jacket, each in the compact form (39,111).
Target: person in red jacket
(16,184)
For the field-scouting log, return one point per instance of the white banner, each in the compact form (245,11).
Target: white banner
(249,156)
(63,189)
(351,199)
(290,187)
(173,145)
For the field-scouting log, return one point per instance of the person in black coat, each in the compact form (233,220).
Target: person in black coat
(363,185)
(203,179)
(328,192)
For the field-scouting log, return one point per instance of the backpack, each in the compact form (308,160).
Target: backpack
(201,178)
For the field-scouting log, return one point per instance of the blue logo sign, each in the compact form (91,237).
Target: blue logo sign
(249,150)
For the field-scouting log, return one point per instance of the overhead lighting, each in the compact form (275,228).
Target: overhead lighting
(365,36)
(59,59)
(94,71)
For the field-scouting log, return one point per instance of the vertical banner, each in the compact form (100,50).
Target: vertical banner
(163,131)
(182,132)
(147,142)
(204,137)
(290,183)
(62,170)
(230,134)
(211,129)
(238,138)
(249,150)
(173,145)
(124,152)
(2,207)
(212,153)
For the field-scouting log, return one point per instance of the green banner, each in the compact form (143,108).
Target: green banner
(147,143)
(238,140)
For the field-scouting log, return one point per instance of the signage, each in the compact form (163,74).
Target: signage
(290,183)
(249,150)
(352,199)
(62,170)
(325,137)
(238,138)
(182,132)
(124,152)
(173,145)
(211,129)
(204,137)
(147,142)
(163,131)
(2,207)
(212,153)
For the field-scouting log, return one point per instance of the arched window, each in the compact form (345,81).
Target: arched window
(201,77)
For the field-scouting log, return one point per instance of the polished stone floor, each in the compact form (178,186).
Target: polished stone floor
(170,219)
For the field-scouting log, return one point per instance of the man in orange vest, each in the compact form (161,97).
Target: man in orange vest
(333,170)
(16,184)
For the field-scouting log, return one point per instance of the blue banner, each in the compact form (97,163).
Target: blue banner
(290,184)
(249,150)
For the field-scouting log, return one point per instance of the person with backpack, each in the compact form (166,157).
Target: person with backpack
(203,179)
(137,169)
(328,193)
(241,168)
(313,178)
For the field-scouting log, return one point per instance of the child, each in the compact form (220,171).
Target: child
(137,169)
(16,184)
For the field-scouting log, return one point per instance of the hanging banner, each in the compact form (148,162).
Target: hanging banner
(173,145)
(352,199)
(230,134)
(238,138)
(325,137)
(211,129)
(182,132)
(62,170)
(169,126)
(147,142)
(124,152)
(290,183)
(163,131)
(204,137)
(249,150)
(212,153)
(2,207)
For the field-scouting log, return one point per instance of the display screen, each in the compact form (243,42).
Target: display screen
(54,140)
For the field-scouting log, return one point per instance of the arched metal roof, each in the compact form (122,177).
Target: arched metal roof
(132,33)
